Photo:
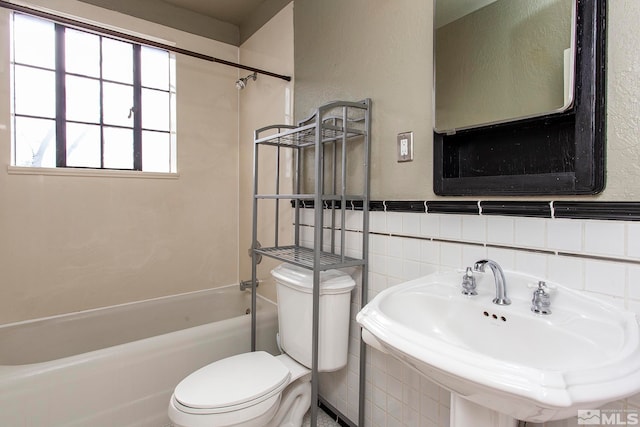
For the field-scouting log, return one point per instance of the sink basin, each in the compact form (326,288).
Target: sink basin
(529,366)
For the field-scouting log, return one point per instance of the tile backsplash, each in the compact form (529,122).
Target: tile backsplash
(598,257)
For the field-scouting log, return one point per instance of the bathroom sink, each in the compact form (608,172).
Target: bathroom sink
(506,358)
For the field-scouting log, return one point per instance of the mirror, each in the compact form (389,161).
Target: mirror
(544,153)
(499,60)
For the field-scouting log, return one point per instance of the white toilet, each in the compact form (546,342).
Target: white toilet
(260,390)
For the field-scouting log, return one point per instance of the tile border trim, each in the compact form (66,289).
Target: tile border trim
(611,211)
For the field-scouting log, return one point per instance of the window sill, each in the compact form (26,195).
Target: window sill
(102,173)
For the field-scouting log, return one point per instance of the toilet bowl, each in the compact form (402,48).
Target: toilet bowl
(258,389)
(250,390)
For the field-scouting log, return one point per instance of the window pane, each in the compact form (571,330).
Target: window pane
(83,99)
(35,92)
(83,145)
(118,102)
(156,151)
(117,61)
(35,142)
(155,68)
(34,41)
(118,148)
(155,110)
(82,53)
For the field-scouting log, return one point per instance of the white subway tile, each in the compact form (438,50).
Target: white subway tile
(531,263)
(474,228)
(353,220)
(429,388)
(500,230)
(605,277)
(429,251)
(394,222)
(378,222)
(411,270)
(451,227)
(411,249)
(395,267)
(604,238)
(393,281)
(378,263)
(566,271)
(394,387)
(410,417)
(633,239)
(377,244)
(377,282)
(411,377)
(634,401)
(429,408)
(633,282)
(430,225)
(426,269)
(394,412)
(530,232)
(505,257)
(395,246)
(471,254)
(410,224)
(565,234)
(451,255)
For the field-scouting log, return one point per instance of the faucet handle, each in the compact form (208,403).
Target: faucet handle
(541,301)
(469,283)
(547,287)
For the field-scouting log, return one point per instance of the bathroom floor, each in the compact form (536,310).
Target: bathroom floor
(324,420)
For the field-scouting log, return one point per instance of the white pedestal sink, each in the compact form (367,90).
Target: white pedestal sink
(506,363)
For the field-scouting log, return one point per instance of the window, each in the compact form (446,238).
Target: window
(85,100)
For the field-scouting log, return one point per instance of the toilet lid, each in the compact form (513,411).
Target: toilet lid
(233,383)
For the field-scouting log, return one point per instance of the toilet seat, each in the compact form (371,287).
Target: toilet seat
(233,384)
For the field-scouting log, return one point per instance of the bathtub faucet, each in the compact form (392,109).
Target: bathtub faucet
(247,284)
(498,275)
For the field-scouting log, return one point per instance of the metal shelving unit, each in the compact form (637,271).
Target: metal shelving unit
(322,146)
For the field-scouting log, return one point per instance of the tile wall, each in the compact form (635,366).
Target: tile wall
(598,257)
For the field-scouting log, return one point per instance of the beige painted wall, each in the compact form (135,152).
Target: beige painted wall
(265,102)
(383,50)
(76,242)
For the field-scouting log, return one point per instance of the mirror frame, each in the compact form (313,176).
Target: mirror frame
(554,154)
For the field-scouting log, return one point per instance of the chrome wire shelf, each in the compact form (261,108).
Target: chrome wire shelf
(318,148)
(305,136)
(305,257)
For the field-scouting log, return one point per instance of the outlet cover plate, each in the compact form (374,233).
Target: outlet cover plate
(405,147)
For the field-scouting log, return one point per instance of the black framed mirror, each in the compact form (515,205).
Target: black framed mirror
(561,153)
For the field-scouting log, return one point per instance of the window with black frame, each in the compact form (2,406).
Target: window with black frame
(85,100)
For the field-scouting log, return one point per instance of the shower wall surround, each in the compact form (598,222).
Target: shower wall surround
(591,247)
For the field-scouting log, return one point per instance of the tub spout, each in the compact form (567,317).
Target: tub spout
(247,284)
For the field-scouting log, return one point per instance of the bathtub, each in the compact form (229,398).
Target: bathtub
(117,366)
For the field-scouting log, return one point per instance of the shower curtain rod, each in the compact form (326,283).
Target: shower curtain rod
(129,37)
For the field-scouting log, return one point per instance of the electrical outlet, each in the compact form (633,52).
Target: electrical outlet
(405,147)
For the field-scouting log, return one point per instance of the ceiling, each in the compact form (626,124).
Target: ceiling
(228,21)
(449,10)
(232,11)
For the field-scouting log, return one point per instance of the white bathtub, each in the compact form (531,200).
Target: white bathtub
(117,366)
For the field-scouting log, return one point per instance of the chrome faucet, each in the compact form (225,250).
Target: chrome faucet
(498,275)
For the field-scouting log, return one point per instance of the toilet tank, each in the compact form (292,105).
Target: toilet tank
(295,315)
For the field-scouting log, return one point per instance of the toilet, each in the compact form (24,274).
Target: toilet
(257,389)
